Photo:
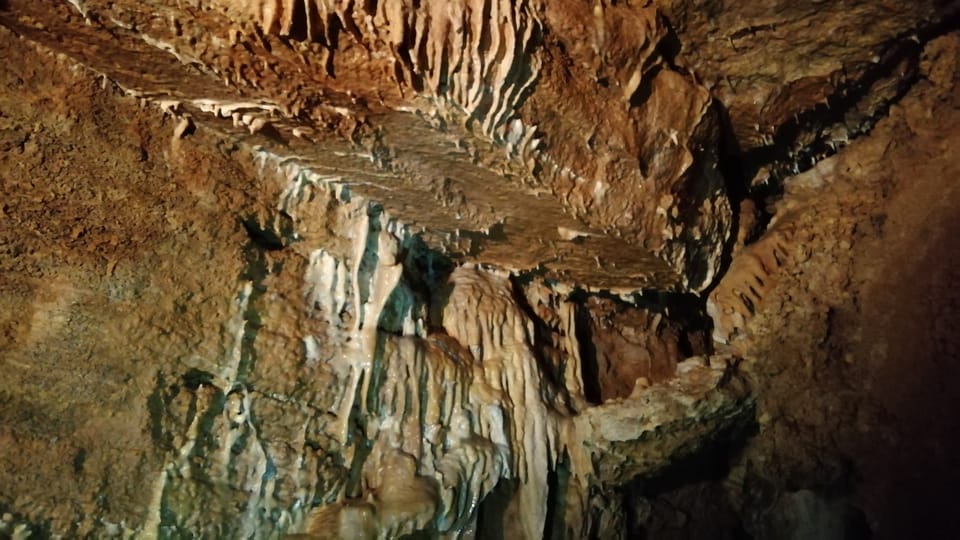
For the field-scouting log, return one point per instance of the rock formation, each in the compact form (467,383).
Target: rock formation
(336,269)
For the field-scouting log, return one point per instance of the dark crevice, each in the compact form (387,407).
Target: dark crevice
(711,464)
(256,271)
(788,154)
(542,345)
(589,368)
(667,50)
(670,46)
(406,53)
(737,184)
(557,484)
(492,511)
(643,92)
(427,273)
(353,486)
(158,402)
(298,30)
(350,25)
(195,378)
(752,31)
(687,311)
(14,521)
(377,374)
(262,237)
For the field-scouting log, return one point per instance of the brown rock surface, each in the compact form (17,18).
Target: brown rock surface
(434,269)
(115,264)
(853,342)
(235,343)
(641,188)
(632,347)
(770,61)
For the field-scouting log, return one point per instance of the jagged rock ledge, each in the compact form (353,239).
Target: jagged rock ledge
(642,192)
(352,375)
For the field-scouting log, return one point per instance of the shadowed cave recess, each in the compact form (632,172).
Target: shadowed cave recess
(479,269)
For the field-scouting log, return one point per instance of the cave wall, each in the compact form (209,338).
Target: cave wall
(301,362)
(340,270)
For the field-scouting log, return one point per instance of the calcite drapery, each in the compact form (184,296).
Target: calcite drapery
(357,293)
(457,85)
(371,361)
(305,380)
(474,405)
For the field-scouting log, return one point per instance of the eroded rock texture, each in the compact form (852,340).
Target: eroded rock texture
(799,79)
(451,269)
(304,362)
(479,105)
(851,329)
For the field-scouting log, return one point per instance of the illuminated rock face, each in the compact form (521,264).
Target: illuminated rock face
(518,138)
(634,159)
(309,364)
(363,269)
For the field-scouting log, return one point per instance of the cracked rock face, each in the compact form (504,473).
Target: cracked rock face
(308,364)
(798,80)
(408,269)
(478,105)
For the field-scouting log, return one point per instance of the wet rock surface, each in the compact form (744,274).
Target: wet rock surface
(332,270)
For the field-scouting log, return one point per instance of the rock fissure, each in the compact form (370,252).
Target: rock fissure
(850,112)
(467,269)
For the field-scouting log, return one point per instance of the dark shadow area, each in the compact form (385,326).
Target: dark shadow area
(492,511)
(711,463)
(260,236)
(195,378)
(589,369)
(668,48)
(785,157)
(427,273)
(548,358)
(910,469)
(15,522)
(687,499)
(557,480)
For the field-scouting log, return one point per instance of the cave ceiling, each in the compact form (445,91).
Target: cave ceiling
(385,268)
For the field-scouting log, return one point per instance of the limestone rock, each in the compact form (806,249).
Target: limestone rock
(307,365)
(779,67)
(388,269)
(483,89)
